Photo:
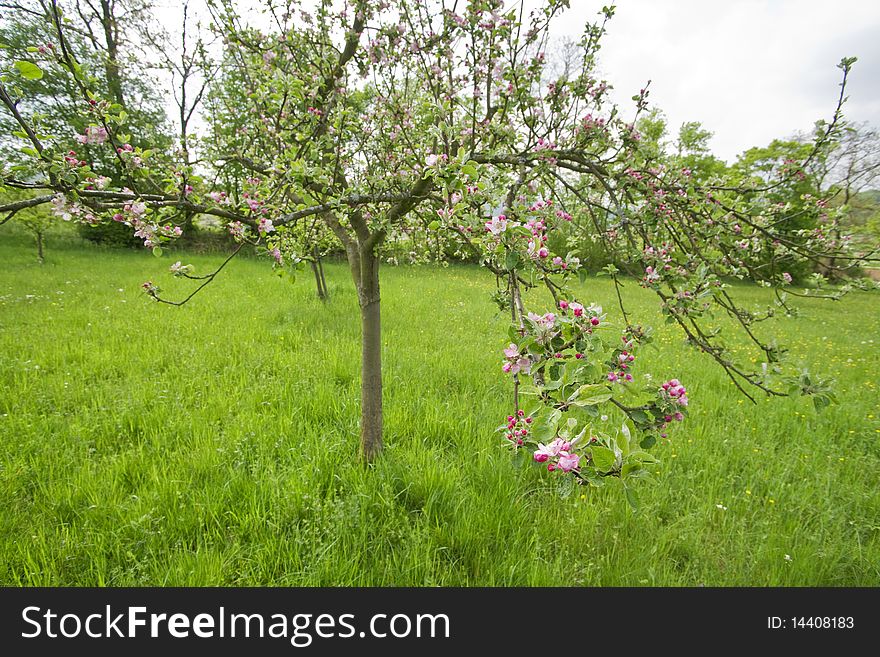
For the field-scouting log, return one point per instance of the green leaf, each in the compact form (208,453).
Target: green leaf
(648,441)
(511,261)
(545,427)
(632,498)
(553,385)
(29,70)
(469,170)
(625,438)
(641,417)
(642,457)
(434,225)
(592,478)
(565,486)
(603,458)
(157,251)
(589,395)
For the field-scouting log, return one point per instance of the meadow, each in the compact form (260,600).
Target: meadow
(215,444)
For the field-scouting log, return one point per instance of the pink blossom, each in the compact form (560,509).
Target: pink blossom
(547,321)
(265,226)
(675,392)
(568,462)
(516,362)
(551,450)
(94,134)
(497,225)
(236,229)
(137,209)
(179,269)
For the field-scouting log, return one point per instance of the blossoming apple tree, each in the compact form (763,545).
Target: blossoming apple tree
(360,118)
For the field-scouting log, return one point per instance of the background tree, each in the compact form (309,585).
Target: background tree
(105,34)
(854,177)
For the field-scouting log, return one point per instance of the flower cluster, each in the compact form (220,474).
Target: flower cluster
(129,155)
(518,427)
(558,455)
(73,161)
(674,391)
(265,226)
(496,225)
(72,211)
(544,326)
(94,134)
(590,316)
(515,361)
(99,182)
(179,269)
(432,159)
(134,214)
(237,229)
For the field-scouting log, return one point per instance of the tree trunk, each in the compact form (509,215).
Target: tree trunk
(371,357)
(38,236)
(323,280)
(318,271)
(318,288)
(111,63)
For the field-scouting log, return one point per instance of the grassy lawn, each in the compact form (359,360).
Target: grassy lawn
(215,444)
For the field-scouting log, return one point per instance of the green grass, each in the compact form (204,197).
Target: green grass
(216,444)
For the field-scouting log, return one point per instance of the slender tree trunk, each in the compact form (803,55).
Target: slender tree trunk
(111,63)
(360,250)
(371,357)
(320,290)
(323,280)
(318,271)
(38,235)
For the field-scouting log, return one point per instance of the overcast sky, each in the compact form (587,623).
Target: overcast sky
(748,70)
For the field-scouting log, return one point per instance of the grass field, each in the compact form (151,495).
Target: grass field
(215,444)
